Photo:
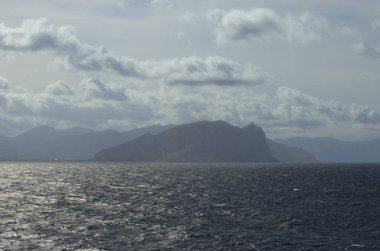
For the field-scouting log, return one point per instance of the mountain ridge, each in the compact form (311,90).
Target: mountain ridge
(328,149)
(65,144)
(201,141)
(45,143)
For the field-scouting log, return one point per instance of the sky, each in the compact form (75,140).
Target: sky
(294,67)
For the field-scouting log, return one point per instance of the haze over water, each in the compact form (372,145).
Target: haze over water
(189,206)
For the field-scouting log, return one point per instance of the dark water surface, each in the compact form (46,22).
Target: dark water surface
(97,206)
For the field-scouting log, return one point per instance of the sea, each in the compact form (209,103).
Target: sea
(157,206)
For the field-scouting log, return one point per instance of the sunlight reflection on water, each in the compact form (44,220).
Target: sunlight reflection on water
(188,206)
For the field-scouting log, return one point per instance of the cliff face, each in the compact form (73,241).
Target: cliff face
(195,142)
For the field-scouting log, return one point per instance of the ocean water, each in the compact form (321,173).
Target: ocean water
(98,206)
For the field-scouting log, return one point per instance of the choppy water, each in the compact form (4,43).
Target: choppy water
(97,206)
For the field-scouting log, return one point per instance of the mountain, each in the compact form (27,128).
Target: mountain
(334,150)
(18,147)
(44,134)
(290,154)
(84,147)
(47,143)
(195,142)
(8,150)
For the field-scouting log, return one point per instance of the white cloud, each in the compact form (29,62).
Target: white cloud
(60,88)
(4,84)
(98,104)
(96,88)
(94,104)
(302,109)
(241,25)
(38,34)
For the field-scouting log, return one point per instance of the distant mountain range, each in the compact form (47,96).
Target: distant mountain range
(195,142)
(333,150)
(47,143)
(205,142)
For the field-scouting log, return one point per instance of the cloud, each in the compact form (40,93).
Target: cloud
(41,35)
(367,50)
(363,114)
(184,38)
(141,5)
(303,109)
(213,70)
(60,88)
(376,24)
(94,104)
(89,88)
(4,84)
(38,34)
(96,88)
(98,104)
(188,17)
(241,25)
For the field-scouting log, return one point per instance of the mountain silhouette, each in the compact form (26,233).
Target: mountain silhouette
(290,154)
(47,143)
(334,150)
(195,142)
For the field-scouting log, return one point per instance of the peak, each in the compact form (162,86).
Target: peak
(108,131)
(206,122)
(220,122)
(250,126)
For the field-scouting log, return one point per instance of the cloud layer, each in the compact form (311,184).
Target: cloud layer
(41,35)
(308,111)
(99,104)
(173,72)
